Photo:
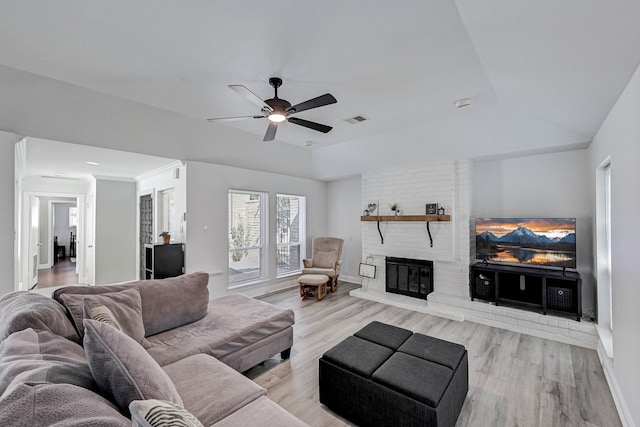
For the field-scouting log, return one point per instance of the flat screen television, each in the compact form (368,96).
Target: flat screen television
(548,242)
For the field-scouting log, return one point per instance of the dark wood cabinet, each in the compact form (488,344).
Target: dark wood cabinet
(540,289)
(162,261)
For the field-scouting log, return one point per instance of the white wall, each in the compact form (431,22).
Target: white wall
(542,186)
(619,138)
(115,238)
(7,217)
(343,214)
(207,218)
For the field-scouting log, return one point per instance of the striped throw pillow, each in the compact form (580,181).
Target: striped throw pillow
(160,413)
(96,311)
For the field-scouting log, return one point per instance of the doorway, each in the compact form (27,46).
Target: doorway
(146,229)
(58,240)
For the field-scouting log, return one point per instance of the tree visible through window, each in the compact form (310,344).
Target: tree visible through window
(246,236)
(290,231)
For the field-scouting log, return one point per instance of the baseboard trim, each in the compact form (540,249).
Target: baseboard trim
(350,279)
(616,393)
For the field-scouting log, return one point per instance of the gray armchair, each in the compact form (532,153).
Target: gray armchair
(325,259)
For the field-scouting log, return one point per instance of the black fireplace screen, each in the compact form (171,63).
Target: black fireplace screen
(411,277)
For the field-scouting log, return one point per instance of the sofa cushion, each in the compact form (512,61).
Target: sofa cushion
(126,306)
(159,413)
(23,310)
(42,356)
(38,404)
(123,369)
(210,389)
(92,309)
(329,272)
(261,412)
(233,322)
(166,303)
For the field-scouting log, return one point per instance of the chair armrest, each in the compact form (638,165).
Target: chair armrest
(336,267)
(307,263)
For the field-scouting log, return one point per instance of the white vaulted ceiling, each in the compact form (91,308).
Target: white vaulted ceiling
(542,74)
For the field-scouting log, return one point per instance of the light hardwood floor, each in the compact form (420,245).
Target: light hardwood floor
(514,379)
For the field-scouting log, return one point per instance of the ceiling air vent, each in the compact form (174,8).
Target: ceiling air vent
(356,119)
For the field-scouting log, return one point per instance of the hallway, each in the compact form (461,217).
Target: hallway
(62,273)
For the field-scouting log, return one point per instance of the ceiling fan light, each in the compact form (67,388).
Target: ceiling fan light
(277,117)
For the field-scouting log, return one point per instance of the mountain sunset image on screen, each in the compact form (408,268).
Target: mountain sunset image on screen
(535,241)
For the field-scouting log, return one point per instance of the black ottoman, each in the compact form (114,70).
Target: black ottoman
(389,376)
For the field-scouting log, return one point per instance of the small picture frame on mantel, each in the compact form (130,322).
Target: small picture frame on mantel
(432,209)
(367,270)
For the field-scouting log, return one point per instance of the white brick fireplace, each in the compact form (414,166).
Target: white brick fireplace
(448,185)
(444,183)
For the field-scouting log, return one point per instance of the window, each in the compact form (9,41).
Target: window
(604,267)
(73,216)
(247,241)
(290,233)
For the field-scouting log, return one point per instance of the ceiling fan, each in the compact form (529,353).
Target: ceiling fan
(278,110)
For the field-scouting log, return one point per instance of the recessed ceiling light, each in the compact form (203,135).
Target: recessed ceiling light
(92,163)
(59,174)
(464,102)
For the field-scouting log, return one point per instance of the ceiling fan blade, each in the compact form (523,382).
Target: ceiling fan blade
(271,132)
(250,96)
(311,125)
(316,102)
(230,119)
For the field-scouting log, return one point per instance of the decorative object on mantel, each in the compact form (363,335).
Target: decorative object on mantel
(371,208)
(441,210)
(395,208)
(432,209)
(166,237)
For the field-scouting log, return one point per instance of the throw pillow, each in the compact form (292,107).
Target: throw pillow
(92,309)
(124,370)
(41,356)
(126,307)
(158,413)
(23,310)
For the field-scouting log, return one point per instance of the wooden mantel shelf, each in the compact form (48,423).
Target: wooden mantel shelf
(420,218)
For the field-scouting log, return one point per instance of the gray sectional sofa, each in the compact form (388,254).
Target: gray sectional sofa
(198,348)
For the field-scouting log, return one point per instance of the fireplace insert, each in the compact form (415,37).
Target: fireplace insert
(411,277)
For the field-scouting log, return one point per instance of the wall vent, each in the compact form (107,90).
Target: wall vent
(356,119)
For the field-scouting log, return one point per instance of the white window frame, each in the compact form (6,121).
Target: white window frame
(263,246)
(302,219)
(603,255)
(73,216)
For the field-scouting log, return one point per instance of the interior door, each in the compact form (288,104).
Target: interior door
(146,230)
(34,241)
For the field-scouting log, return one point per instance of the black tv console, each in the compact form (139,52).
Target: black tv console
(538,288)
